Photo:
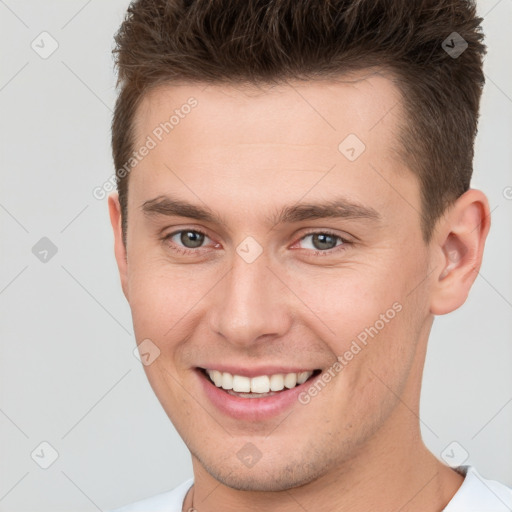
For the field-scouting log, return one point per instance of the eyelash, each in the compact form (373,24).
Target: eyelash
(186,251)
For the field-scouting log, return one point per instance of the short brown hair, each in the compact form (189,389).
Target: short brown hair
(272,41)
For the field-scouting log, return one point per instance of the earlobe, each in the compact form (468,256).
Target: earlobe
(459,246)
(119,247)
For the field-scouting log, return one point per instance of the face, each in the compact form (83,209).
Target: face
(275,231)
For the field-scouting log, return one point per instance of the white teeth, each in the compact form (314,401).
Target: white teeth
(217,378)
(290,380)
(260,384)
(241,384)
(303,377)
(277,382)
(227,381)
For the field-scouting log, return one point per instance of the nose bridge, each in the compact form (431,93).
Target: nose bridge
(249,303)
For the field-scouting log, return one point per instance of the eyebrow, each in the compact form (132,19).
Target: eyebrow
(335,208)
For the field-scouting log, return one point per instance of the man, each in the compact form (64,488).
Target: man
(293,209)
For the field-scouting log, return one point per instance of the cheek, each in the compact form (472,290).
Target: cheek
(369,319)
(163,299)
(350,303)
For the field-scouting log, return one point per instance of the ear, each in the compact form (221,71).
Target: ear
(119,248)
(458,246)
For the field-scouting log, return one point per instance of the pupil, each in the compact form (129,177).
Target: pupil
(324,241)
(191,239)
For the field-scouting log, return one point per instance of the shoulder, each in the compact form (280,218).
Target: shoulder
(170,501)
(478,493)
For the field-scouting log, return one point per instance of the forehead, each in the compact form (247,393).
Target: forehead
(272,139)
(360,102)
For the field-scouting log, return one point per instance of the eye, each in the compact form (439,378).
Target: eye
(190,241)
(185,241)
(324,242)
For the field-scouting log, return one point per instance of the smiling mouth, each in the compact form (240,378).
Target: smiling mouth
(257,387)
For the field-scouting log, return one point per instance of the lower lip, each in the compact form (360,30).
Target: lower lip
(251,409)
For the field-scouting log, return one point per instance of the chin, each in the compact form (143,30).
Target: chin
(264,476)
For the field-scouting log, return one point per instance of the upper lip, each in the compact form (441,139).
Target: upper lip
(253,371)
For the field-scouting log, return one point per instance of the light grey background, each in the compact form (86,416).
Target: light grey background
(68,373)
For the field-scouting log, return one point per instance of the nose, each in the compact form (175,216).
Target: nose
(250,304)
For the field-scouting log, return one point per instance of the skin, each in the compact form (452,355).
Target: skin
(245,153)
